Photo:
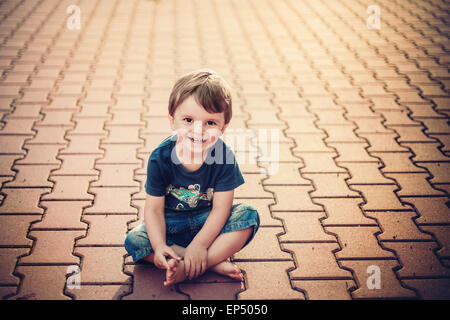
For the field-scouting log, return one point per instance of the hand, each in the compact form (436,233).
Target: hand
(195,260)
(161,253)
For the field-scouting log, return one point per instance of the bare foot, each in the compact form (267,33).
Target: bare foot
(228,269)
(175,273)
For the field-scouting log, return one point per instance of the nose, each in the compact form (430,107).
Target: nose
(198,129)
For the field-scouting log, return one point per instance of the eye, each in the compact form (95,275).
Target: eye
(188,120)
(211,123)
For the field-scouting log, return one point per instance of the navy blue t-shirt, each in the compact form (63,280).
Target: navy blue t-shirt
(191,190)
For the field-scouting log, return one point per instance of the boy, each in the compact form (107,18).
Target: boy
(190,223)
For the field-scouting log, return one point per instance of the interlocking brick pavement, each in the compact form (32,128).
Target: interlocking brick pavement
(361,186)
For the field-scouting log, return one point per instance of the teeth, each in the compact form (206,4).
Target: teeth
(197,140)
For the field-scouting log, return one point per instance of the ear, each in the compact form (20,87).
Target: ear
(172,122)
(224,127)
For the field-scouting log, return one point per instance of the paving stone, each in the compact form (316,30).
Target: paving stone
(414,184)
(358,242)
(303,227)
(70,188)
(252,188)
(83,144)
(292,198)
(366,272)
(62,215)
(52,247)
(49,135)
(351,152)
(331,185)
(319,163)
(120,153)
(287,174)
(9,258)
(441,234)
(398,226)
(22,200)
(341,133)
(276,282)
(430,289)
(381,197)
(264,246)
(418,259)
(40,154)
(103,204)
(344,211)
(32,176)
(426,151)
(98,292)
(324,289)
(211,291)
(398,162)
(77,165)
(94,270)
(262,206)
(148,284)
(107,230)
(42,283)
(310,255)
(18,127)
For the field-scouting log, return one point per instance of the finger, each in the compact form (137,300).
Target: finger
(203,267)
(187,266)
(196,270)
(173,254)
(163,262)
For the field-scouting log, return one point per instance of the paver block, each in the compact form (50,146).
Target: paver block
(331,185)
(52,247)
(32,176)
(276,284)
(320,163)
(292,198)
(94,270)
(105,230)
(148,284)
(62,215)
(308,256)
(264,246)
(70,188)
(430,289)
(324,289)
(358,242)
(303,227)
(103,205)
(98,292)
(22,200)
(366,272)
(9,257)
(42,283)
(418,259)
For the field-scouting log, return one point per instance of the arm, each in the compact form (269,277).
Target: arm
(196,253)
(155,225)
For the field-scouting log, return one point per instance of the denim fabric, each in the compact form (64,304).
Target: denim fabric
(182,227)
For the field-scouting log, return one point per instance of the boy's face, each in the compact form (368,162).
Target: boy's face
(196,128)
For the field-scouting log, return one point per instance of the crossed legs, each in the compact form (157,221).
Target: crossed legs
(220,250)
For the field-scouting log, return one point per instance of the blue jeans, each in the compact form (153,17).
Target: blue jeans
(182,227)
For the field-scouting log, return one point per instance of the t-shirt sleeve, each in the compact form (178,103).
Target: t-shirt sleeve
(155,185)
(229,178)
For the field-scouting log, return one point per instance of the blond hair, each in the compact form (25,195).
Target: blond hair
(207,87)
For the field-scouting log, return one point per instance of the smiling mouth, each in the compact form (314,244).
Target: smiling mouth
(198,140)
